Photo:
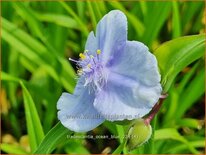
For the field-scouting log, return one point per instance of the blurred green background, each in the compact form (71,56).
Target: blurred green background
(37,38)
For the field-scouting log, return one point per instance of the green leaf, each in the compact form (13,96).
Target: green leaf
(55,136)
(119,149)
(75,16)
(8,77)
(191,94)
(172,133)
(175,55)
(180,147)
(12,149)
(76,147)
(57,67)
(92,14)
(157,14)
(58,19)
(190,122)
(34,127)
(27,14)
(176,32)
(188,76)
(190,12)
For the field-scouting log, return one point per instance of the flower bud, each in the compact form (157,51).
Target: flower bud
(138,134)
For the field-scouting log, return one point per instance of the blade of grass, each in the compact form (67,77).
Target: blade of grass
(58,19)
(171,133)
(57,67)
(191,94)
(143,7)
(28,15)
(80,9)
(54,137)
(120,132)
(187,77)
(183,147)
(92,15)
(97,9)
(12,149)
(191,9)
(156,16)
(102,6)
(190,122)
(75,16)
(176,54)
(34,127)
(8,77)
(176,31)
(119,149)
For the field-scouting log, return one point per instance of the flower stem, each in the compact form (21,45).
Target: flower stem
(155,109)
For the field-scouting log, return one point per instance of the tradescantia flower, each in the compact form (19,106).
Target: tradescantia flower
(118,79)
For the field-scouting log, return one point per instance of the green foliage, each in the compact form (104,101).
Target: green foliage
(175,55)
(34,127)
(56,135)
(37,39)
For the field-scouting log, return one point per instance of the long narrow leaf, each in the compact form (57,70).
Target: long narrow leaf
(33,122)
(171,133)
(56,135)
(156,16)
(176,54)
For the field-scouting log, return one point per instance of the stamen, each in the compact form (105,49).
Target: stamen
(98,51)
(89,66)
(92,57)
(82,56)
(73,60)
(79,71)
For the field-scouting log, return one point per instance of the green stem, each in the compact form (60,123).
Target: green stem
(152,146)
(120,148)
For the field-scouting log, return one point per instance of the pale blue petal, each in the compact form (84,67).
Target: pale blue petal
(137,63)
(77,113)
(91,43)
(124,98)
(111,34)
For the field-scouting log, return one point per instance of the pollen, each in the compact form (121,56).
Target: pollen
(98,51)
(79,71)
(89,65)
(91,56)
(82,56)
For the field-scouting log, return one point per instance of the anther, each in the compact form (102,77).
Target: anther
(82,56)
(98,51)
(79,71)
(89,65)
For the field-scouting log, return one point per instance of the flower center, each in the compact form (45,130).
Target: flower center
(92,69)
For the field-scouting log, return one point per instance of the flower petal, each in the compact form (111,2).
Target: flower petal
(124,98)
(91,43)
(111,34)
(137,63)
(76,112)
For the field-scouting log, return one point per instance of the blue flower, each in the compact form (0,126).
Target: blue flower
(118,79)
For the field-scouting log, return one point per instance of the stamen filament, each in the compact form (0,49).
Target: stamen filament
(92,57)
(73,60)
